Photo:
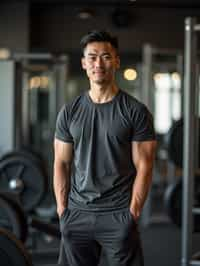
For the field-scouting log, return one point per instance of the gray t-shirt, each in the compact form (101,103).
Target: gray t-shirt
(103,171)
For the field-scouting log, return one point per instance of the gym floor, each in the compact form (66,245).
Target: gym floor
(162,245)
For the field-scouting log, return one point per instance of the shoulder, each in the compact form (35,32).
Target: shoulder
(72,105)
(75,101)
(131,103)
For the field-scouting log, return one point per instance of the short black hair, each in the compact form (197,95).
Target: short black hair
(99,36)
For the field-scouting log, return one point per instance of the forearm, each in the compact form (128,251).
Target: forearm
(143,154)
(61,184)
(141,188)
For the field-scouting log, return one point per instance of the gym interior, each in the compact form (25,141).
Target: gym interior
(40,71)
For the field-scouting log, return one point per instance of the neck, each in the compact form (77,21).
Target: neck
(102,94)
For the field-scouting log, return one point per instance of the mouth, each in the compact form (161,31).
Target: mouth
(99,72)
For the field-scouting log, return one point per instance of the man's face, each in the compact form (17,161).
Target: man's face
(100,61)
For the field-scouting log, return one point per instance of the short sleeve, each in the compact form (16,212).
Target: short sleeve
(143,129)
(62,131)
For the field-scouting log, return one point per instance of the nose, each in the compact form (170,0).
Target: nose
(99,61)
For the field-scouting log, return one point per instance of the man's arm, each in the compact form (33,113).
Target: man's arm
(63,155)
(143,154)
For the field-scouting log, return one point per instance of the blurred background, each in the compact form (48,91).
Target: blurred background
(40,70)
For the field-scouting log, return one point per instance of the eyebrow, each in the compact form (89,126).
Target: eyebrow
(94,54)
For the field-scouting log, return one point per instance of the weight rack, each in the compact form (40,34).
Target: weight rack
(149,52)
(190,156)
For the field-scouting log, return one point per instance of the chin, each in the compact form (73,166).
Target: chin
(100,81)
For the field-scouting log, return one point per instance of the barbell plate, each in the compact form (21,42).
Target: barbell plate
(12,217)
(25,178)
(12,251)
(174,142)
(27,153)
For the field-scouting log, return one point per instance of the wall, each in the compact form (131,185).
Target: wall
(14,26)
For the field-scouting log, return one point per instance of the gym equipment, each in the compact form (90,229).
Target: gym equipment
(16,229)
(24,177)
(47,211)
(45,227)
(12,252)
(173,202)
(174,143)
(23,183)
(12,217)
(27,153)
(196,256)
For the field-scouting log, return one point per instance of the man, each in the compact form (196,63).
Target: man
(104,153)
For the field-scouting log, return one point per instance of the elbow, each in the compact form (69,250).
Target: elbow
(61,166)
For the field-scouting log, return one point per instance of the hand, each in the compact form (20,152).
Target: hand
(60,211)
(135,210)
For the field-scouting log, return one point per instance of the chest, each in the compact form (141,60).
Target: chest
(100,124)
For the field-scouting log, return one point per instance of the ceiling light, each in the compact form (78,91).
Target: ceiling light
(85,14)
(130,74)
(4,53)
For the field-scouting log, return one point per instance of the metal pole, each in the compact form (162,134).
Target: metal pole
(61,70)
(196,151)
(32,56)
(179,61)
(147,99)
(147,95)
(189,142)
(167,52)
(25,106)
(18,143)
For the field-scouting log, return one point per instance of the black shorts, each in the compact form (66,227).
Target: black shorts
(87,235)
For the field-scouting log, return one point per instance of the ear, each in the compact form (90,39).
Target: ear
(117,62)
(83,62)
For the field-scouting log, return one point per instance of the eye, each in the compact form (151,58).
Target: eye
(92,58)
(106,57)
